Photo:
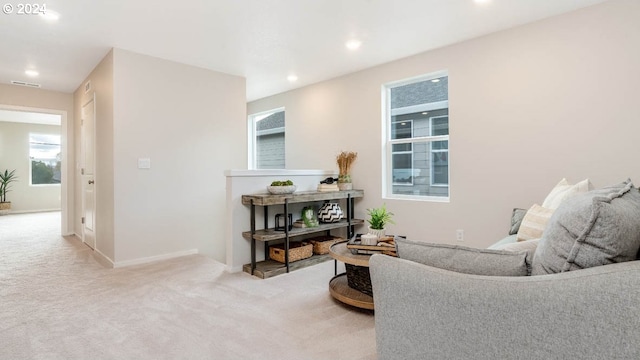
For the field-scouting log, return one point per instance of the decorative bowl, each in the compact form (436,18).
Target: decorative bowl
(277,190)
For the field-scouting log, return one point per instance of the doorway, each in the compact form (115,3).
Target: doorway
(44,173)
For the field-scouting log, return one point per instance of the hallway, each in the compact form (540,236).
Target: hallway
(34,239)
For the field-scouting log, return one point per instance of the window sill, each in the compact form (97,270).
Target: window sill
(279,172)
(435,199)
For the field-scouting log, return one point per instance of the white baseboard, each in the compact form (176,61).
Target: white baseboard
(234,269)
(33,211)
(150,259)
(103,259)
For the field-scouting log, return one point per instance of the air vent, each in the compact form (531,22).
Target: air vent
(22,83)
(87,87)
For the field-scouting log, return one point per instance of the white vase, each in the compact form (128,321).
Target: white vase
(369,239)
(378,232)
(344,182)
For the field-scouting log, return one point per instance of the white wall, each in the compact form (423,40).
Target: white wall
(14,155)
(528,106)
(191,123)
(101,79)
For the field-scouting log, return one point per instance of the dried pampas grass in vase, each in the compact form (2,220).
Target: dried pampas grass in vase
(345,159)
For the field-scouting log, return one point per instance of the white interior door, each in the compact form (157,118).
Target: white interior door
(87,163)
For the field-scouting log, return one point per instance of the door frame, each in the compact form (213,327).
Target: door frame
(66,197)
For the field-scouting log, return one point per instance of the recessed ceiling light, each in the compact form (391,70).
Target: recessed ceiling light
(425,113)
(292,78)
(353,44)
(435,80)
(481,1)
(50,15)
(31,73)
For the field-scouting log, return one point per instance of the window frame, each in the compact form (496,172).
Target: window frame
(431,168)
(387,142)
(252,135)
(410,152)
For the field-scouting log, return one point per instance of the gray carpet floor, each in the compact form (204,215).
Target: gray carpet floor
(58,302)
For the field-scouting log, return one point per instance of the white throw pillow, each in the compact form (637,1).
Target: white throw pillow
(534,222)
(564,190)
(529,246)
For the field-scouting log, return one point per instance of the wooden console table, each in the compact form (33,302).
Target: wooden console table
(268,268)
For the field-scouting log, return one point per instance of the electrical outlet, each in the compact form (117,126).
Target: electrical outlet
(460,235)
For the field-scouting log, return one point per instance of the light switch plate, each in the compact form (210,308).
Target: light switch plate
(144,163)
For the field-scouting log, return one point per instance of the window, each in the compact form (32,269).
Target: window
(417,138)
(266,140)
(402,154)
(45,156)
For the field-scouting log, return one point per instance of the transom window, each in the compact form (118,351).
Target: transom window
(417,138)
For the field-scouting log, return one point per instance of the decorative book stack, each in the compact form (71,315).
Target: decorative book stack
(386,245)
(328,187)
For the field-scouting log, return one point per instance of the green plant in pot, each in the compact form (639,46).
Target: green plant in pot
(6,178)
(282,187)
(309,217)
(378,219)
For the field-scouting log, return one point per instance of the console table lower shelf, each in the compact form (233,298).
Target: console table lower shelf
(340,290)
(269,268)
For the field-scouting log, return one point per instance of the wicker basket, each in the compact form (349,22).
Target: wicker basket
(358,278)
(321,244)
(297,251)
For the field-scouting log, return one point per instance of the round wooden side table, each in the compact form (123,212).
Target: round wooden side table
(339,286)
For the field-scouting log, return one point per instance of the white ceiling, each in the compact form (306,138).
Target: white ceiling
(261,40)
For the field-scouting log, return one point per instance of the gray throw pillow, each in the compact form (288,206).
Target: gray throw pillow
(516,219)
(465,259)
(595,228)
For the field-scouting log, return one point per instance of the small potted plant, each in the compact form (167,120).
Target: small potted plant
(378,219)
(309,217)
(345,159)
(6,178)
(282,187)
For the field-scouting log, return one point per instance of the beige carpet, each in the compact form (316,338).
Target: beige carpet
(57,302)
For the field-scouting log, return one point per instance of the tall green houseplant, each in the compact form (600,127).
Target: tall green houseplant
(6,178)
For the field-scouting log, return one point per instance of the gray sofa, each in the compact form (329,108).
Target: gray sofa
(422,312)
(428,312)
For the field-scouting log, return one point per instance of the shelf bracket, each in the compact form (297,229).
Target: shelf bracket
(253,239)
(286,233)
(350,229)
